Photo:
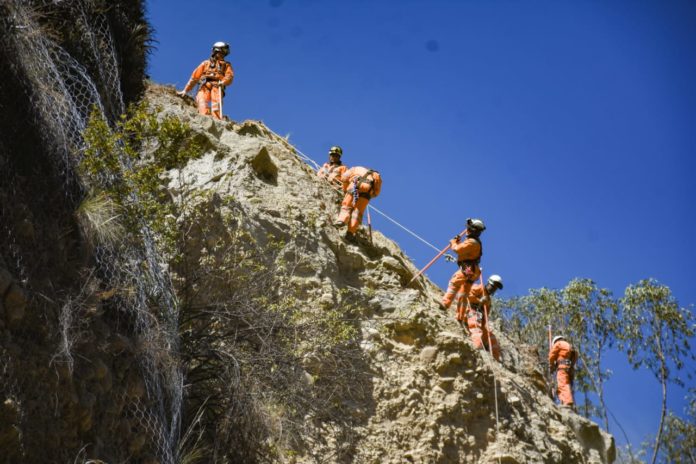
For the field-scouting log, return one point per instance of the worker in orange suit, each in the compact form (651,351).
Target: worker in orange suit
(562,358)
(469,252)
(361,185)
(333,169)
(477,306)
(212,76)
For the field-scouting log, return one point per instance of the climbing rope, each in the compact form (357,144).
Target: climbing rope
(404,228)
(307,159)
(490,348)
(552,390)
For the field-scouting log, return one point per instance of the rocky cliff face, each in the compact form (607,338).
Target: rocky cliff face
(420,393)
(294,345)
(253,333)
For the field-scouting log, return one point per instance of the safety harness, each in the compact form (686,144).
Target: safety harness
(568,363)
(468,266)
(215,73)
(356,184)
(475,311)
(370,181)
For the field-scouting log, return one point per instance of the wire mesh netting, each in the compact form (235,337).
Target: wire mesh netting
(63,85)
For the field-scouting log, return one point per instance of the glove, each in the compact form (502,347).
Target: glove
(182,93)
(457,237)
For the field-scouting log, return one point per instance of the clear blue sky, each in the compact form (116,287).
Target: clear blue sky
(569,127)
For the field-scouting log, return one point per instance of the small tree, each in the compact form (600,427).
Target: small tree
(525,318)
(656,334)
(592,314)
(680,435)
(628,454)
(586,314)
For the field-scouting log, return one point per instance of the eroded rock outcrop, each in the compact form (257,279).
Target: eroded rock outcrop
(427,395)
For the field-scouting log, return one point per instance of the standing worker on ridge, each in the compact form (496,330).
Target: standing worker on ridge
(469,254)
(361,185)
(333,169)
(562,358)
(212,76)
(478,305)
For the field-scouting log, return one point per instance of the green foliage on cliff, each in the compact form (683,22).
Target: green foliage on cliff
(126,166)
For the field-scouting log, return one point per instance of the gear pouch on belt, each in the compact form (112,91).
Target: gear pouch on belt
(364,187)
(370,183)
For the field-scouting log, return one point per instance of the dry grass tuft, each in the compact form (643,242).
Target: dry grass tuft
(98,217)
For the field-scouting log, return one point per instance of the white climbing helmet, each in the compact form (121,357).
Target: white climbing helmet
(556,338)
(475,225)
(496,281)
(222,47)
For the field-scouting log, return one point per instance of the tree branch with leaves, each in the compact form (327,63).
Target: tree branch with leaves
(656,334)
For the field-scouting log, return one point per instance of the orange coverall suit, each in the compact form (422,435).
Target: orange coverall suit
(561,354)
(357,197)
(468,253)
(332,172)
(477,323)
(209,92)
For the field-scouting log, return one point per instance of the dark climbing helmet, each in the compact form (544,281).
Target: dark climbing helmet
(221,47)
(336,150)
(475,225)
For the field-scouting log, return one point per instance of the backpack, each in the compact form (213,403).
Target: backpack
(376,184)
(573,355)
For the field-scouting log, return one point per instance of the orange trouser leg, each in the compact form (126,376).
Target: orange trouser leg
(458,288)
(495,348)
(352,214)
(479,337)
(203,100)
(565,393)
(215,101)
(346,208)
(462,302)
(357,214)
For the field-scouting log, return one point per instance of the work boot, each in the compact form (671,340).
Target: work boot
(350,238)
